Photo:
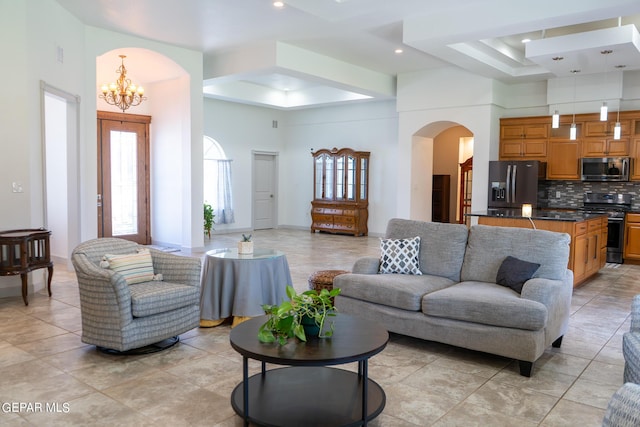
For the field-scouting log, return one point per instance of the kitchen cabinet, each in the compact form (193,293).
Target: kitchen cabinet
(598,128)
(632,237)
(563,159)
(635,156)
(341,193)
(523,139)
(605,147)
(533,138)
(586,245)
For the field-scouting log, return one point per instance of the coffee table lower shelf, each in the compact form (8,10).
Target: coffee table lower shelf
(308,396)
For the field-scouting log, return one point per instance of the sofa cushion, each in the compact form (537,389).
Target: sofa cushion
(395,290)
(513,272)
(488,246)
(485,303)
(400,256)
(442,246)
(155,297)
(135,268)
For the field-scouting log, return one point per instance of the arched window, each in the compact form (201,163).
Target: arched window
(217,181)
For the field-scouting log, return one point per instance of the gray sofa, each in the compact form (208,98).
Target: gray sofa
(456,299)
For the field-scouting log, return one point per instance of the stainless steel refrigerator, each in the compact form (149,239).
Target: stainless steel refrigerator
(513,183)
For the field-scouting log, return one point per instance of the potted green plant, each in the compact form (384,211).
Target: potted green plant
(304,315)
(208,219)
(245,246)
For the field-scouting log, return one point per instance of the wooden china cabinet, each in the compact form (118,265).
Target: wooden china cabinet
(340,191)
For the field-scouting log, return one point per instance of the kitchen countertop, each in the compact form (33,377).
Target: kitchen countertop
(539,214)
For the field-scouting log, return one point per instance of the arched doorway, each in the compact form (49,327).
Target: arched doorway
(438,149)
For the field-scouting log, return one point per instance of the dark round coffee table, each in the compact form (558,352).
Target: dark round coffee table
(308,392)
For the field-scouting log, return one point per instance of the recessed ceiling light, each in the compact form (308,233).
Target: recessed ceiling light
(398,51)
(278,4)
(526,40)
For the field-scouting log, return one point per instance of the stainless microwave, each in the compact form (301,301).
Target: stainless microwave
(605,168)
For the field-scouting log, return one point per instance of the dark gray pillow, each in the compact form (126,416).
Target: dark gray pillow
(513,272)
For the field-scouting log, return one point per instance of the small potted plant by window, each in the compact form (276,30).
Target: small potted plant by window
(208,219)
(303,316)
(245,246)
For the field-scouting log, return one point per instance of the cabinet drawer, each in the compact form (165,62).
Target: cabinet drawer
(350,212)
(633,217)
(594,225)
(344,220)
(322,218)
(580,228)
(343,226)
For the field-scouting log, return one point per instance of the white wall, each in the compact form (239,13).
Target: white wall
(239,129)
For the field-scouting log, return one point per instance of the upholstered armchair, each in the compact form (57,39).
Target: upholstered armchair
(125,303)
(631,345)
(624,407)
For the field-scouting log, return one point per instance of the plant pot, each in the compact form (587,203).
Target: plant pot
(311,330)
(245,247)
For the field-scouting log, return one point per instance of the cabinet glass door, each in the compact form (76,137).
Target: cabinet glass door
(351,178)
(340,177)
(328,177)
(319,172)
(363,179)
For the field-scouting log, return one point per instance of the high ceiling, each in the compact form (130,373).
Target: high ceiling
(315,52)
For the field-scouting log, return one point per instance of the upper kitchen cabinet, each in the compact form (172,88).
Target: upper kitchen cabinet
(341,193)
(523,139)
(605,147)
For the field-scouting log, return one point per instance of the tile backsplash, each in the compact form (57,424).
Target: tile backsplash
(571,192)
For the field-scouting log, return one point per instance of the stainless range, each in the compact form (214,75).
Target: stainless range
(615,206)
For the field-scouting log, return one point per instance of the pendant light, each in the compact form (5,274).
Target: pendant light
(573,132)
(555,120)
(617,129)
(603,108)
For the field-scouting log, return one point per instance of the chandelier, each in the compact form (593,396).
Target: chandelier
(123,94)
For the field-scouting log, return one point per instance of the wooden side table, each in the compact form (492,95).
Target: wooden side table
(22,251)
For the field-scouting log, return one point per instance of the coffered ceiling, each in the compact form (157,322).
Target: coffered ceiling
(318,52)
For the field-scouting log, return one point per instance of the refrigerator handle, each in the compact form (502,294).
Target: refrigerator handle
(508,183)
(514,174)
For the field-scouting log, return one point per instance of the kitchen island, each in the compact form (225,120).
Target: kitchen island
(588,231)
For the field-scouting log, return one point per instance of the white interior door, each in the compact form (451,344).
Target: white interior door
(264,190)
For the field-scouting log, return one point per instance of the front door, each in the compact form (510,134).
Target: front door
(123,177)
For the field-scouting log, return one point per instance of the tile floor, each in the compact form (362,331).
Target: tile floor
(43,362)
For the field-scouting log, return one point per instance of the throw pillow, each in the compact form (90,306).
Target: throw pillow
(513,272)
(136,268)
(400,256)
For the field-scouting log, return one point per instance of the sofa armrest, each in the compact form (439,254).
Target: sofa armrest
(624,407)
(556,296)
(368,265)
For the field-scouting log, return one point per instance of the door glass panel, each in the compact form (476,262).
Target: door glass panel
(363,179)
(124,183)
(351,177)
(340,178)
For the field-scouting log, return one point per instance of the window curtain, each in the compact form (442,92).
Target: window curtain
(224,206)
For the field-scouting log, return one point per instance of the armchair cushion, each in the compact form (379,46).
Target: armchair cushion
(158,297)
(135,267)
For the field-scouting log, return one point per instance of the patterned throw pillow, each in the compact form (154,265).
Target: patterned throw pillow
(400,256)
(136,268)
